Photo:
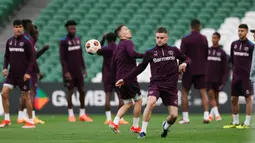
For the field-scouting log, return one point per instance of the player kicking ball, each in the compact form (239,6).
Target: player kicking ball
(163,81)
(19,54)
(123,62)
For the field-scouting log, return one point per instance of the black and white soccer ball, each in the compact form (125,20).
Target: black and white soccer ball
(92,46)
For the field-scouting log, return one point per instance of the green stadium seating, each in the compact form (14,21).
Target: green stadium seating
(142,16)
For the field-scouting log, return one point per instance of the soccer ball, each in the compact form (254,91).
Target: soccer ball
(92,46)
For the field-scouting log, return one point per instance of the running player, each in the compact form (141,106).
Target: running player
(20,55)
(107,52)
(241,57)
(217,72)
(163,81)
(123,62)
(74,69)
(195,46)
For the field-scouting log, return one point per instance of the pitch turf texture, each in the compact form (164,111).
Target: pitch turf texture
(58,130)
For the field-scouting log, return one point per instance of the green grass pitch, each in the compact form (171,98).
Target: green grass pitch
(58,130)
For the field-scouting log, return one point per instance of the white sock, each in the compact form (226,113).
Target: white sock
(185,116)
(7,117)
(30,120)
(82,112)
(33,114)
(21,115)
(122,118)
(247,120)
(25,113)
(236,119)
(70,112)
(216,111)
(206,115)
(212,112)
(166,126)
(116,120)
(108,115)
(136,122)
(144,126)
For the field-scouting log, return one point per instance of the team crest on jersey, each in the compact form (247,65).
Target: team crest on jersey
(218,54)
(235,46)
(78,41)
(25,87)
(21,44)
(10,43)
(69,43)
(170,52)
(155,53)
(246,49)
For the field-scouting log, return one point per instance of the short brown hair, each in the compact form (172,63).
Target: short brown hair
(162,30)
(117,30)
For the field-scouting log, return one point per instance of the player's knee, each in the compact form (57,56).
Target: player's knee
(151,105)
(174,115)
(248,99)
(234,100)
(4,95)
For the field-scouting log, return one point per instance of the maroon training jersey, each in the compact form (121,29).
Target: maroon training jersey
(241,57)
(20,55)
(124,60)
(217,68)
(71,56)
(195,46)
(163,65)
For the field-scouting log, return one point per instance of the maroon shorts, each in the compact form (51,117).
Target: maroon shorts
(213,85)
(128,91)
(241,88)
(108,86)
(169,99)
(188,79)
(74,82)
(13,82)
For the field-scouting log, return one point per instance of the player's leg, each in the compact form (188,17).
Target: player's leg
(108,108)
(151,102)
(214,110)
(21,114)
(30,121)
(186,85)
(115,124)
(33,93)
(71,117)
(172,117)
(83,116)
(136,114)
(5,101)
(200,83)
(217,98)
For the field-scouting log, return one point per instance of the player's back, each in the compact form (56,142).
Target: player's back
(195,46)
(72,54)
(124,63)
(18,57)
(241,57)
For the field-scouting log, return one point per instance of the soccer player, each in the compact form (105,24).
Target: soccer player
(163,81)
(195,46)
(241,58)
(217,72)
(74,69)
(32,34)
(20,55)
(107,52)
(252,74)
(123,62)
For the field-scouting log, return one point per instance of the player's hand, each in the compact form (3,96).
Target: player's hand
(85,74)
(26,77)
(179,76)
(68,76)
(41,76)
(5,72)
(119,83)
(46,47)
(182,67)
